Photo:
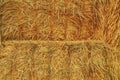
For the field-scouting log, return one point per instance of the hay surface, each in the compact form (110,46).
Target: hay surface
(60,39)
(58,61)
(61,20)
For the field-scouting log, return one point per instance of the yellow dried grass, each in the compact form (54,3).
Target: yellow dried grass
(58,61)
(61,20)
(75,40)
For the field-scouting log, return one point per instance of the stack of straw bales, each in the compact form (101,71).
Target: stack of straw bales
(60,40)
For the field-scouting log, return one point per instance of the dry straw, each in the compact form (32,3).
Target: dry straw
(60,39)
(61,20)
(58,61)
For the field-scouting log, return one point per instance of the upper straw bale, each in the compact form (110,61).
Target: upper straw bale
(61,20)
(46,20)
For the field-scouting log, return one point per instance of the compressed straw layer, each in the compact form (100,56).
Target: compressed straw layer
(61,20)
(60,40)
(58,61)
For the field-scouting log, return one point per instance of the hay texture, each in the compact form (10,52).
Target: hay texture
(61,20)
(59,39)
(58,61)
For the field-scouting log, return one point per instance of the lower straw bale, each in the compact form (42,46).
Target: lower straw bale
(34,60)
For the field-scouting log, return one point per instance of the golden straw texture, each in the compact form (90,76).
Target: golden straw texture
(59,39)
(58,61)
(61,20)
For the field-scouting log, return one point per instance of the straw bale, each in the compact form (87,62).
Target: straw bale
(24,61)
(59,39)
(91,61)
(37,60)
(61,20)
